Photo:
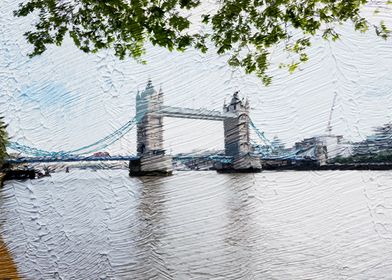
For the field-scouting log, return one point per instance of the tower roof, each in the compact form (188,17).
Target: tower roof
(149,90)
(149,84)
(235,99)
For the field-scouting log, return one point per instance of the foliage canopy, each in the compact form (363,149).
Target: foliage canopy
(244,29)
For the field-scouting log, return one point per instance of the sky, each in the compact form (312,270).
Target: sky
(65,98)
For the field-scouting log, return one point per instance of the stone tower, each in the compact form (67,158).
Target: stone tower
(152,159)
(149,121)
(237,142)
(237,129)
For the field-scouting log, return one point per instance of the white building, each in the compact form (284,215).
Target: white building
(325,147)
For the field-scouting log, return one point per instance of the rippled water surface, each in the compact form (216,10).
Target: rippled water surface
(200,225)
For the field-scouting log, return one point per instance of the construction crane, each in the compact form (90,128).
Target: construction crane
(329,126)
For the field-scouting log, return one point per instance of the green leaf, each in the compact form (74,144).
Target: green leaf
(292,67)
(245,30)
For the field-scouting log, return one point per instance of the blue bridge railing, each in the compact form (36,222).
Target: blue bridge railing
(265,150)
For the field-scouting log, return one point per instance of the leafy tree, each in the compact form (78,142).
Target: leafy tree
(244,29)
(3,141)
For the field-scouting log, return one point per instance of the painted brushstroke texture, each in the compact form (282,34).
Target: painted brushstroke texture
(105,225)
(198,225)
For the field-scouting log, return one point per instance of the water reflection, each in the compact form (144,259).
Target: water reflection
(241,234)
(150,259)
(198,230)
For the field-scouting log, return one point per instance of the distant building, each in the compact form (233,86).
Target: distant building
(380,141)
(101,154)
(324,147)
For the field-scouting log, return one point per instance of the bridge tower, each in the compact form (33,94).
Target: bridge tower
(150,135)
(149,121)
(236,133)
(236,129)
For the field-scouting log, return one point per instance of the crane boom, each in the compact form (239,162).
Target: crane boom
(329,126)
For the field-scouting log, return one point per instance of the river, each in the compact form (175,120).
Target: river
(200,225)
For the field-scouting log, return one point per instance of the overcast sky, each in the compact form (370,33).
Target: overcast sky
(65,98)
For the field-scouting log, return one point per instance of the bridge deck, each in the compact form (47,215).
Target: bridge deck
(201,114)
(69,159)
(114,158)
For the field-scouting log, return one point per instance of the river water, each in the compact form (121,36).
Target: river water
(200,225)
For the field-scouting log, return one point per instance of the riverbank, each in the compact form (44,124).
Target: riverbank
(37,171)
(7,266)
(353,166)
(20,174)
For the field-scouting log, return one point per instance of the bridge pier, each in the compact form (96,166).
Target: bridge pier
(151,165)
(241,164)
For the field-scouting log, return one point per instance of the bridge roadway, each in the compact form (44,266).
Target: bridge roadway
(69,159)
(201,114)
(225,159)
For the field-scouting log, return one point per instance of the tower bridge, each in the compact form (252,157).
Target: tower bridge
(150,112)
(241,155)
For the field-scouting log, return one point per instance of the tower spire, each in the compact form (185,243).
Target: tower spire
(329,125)
(149,83)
